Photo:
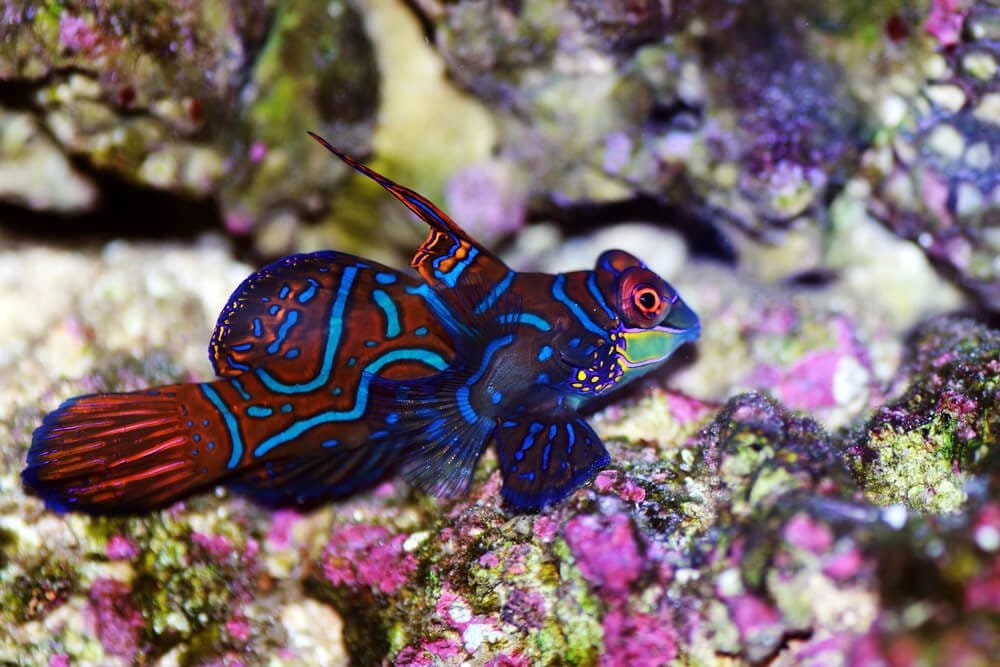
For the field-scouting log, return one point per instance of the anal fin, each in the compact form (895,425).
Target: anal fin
(308,480)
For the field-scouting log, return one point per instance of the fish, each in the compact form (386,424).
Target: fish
(335,371)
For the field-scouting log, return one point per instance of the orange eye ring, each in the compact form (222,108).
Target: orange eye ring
(647,301)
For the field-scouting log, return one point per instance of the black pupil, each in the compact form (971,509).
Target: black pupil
(647,300)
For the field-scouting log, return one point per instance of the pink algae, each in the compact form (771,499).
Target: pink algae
(804,533)
(238,628)
(844,564)
(546,528)
(279,536)
(217,546)
(606,480)
(944,22)
(685,409)
(431,652)
(364,555)
(606,552)
(77,34)
(116,620)
(504,660)
(983,591)
(489,560)
(637,640)
(805,385)
(751,615)
(120,548)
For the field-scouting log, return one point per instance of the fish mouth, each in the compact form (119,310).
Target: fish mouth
(651,347)
(682,321)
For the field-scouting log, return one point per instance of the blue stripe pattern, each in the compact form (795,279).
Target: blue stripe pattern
(290,320)
(309,293)
(464,406)
(360,401)
(451,277)
(559,292)
(388,306)
(236,453)
(598,297)
(529,319)
(494,294)
(332,342)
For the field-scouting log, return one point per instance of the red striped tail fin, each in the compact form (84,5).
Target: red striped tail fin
(116,453)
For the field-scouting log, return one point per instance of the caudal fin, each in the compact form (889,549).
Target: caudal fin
(116,453)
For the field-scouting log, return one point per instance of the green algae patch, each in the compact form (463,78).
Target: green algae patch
(924,448)
(915,467)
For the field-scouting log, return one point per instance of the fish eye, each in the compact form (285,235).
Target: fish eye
(643,298)
(647,301)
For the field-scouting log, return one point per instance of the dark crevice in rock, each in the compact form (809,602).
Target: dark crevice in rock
(427,25)
(704,238)
(126,210)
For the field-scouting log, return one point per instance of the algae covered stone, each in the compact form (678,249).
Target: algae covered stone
(205,100)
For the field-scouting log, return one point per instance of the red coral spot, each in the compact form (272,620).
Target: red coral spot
(194,110)
(896,29)
(126,96)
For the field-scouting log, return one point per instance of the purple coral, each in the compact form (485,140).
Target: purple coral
(432,652)
(525,609)
(486,202)
(116,620)
(76,34)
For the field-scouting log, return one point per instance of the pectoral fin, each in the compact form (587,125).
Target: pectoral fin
(432,428)
(545,457)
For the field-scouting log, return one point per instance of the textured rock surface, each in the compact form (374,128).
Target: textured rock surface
(709,534)
(750,114)
(203,100)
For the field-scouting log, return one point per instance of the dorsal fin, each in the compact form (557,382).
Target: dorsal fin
(271,306)
(280,315)
(448,256)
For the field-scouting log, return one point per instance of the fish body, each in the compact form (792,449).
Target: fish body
(334,370)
